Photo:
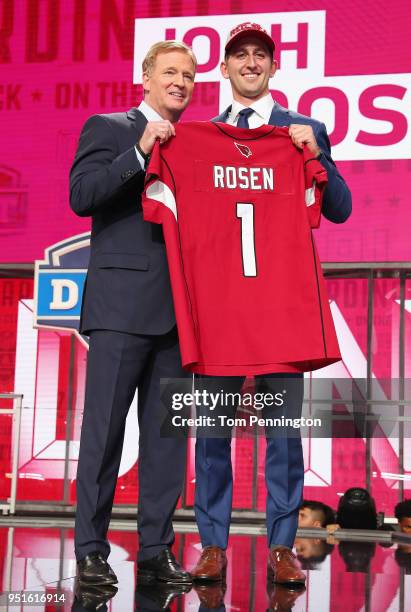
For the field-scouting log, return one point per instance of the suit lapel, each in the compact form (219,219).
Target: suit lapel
(134,114)
(135,125)
(223,117)
(279,116)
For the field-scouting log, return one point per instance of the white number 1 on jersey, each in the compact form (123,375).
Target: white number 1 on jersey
(245,212)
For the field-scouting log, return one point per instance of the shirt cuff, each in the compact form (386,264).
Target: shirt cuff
(140,159)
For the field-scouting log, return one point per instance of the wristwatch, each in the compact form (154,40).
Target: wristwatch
(145,156)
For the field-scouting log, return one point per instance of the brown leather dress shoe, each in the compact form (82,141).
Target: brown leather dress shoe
(283,566)
(211,565)
(283,599)
(211,595)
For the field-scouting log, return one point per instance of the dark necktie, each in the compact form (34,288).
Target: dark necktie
(243,117)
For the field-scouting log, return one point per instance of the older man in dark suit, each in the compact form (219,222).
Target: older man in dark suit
(128,313)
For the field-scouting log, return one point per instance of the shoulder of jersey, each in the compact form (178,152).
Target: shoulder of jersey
(193,126)
(281,130)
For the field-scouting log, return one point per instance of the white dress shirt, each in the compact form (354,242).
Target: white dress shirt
(262,111)
(151,115)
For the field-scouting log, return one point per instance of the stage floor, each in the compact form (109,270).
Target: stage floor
(342,576)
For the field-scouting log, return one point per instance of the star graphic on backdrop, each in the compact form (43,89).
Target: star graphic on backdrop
(394,201)
(36,95)
(368,200)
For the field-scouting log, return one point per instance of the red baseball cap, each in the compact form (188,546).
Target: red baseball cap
(249,29)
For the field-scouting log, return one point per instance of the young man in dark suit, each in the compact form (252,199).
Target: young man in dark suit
(249,64)
(128,314)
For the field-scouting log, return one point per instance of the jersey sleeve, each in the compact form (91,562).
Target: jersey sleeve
(315,183)
(159,202)
(159,197)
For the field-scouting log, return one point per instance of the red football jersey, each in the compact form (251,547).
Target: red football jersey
(237,207)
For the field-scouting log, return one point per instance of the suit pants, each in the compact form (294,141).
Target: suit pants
(284,466)
(118,363)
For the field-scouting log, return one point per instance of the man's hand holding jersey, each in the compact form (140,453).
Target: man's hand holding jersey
(155,130)
(304,135)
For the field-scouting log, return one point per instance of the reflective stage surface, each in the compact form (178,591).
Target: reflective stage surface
(345,576)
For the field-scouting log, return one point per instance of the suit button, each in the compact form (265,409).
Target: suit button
(127,174)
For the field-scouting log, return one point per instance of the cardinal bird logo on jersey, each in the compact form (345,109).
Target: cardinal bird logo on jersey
(246,151)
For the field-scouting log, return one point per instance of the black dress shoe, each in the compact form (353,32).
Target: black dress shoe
(92,597)
(164,567)
(94,569)
(158,595)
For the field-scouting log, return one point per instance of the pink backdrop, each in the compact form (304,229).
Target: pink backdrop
(63,61)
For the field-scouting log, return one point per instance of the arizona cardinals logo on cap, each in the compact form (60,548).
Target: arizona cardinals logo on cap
(244,150)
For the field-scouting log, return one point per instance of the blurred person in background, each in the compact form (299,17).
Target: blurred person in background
(315,514)
(403,515)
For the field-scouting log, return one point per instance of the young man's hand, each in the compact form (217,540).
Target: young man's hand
(303,135)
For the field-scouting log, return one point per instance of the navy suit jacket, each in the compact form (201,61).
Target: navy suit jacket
(128,286)
(336,205)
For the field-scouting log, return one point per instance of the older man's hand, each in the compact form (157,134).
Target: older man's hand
(156,130)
